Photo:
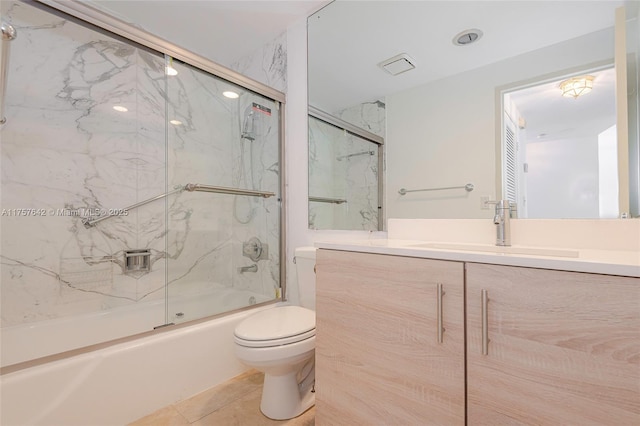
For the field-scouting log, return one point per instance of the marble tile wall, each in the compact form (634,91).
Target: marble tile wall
(208,148)
(66,152)
(334,172)
(267,65)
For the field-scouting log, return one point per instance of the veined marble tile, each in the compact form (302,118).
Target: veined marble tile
(267,65)
(353,170)
(65,149)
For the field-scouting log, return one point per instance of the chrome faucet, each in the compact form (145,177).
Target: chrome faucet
(502,219)
(252,268)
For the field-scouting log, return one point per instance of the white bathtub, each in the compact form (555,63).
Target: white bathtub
(35,340)
(123,382)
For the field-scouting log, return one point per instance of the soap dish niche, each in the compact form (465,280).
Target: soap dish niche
(137,261)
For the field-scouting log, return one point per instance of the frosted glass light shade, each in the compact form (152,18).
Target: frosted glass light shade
(577,86)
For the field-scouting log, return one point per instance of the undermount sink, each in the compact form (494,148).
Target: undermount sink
(532,251)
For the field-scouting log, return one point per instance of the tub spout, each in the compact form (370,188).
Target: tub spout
(252,268)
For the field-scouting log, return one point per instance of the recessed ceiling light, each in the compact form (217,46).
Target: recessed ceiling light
(120,108)
(467,37)
(175,122)
(231,95)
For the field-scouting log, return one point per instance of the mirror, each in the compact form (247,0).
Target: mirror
(441,114)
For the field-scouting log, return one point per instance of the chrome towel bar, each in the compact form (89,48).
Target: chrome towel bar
(342,157)
(90,221)
(224,190)
(328,200)
(468,187)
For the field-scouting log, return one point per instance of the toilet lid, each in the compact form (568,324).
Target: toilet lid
(277,323)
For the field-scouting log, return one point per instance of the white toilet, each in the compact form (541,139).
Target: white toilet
(281,343)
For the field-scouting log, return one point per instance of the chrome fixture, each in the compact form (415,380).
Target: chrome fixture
(485,322)
(252,268)
(249,125)
(224,190)
(255,250)
(468,187)
(8,33)
(90,221)
(342,157)
(137,261)
(327,200)
(502,220)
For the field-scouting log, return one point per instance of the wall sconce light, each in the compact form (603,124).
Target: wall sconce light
(577,86)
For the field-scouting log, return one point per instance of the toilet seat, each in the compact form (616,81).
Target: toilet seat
(275,327)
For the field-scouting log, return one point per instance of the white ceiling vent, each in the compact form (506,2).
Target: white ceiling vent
(398,64)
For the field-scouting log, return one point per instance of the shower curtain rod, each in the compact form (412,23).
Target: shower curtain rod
(8,33)
(90,221)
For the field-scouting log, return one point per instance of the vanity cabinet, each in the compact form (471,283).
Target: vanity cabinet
(389,340)
(563,347)
(542,347)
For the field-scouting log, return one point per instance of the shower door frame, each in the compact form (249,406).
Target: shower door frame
(101,19)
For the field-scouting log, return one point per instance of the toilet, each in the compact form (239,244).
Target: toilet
(280,342)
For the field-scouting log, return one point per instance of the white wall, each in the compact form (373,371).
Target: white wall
(444,133)
(562,181)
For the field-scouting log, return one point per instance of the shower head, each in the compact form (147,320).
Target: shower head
(249,125)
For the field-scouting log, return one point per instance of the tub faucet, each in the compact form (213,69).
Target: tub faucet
(252,268)
(502,219)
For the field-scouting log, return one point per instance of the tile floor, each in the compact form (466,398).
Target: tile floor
(233,403)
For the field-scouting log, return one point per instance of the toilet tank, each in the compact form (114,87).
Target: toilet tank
(305,264)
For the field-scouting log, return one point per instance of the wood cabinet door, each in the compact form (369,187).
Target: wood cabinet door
(378,359)
(564,348)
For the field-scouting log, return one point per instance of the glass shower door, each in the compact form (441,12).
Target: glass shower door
(343,179)
(83,142)
(223,241)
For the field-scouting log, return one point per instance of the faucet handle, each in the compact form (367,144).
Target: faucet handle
(500,204)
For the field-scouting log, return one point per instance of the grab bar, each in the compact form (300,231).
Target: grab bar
(342,157)
(88,222)
(328,200)
(8,33)
(468,187)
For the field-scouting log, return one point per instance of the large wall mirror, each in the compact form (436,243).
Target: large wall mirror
(463,92)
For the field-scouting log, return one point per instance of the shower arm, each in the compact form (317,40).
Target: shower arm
(90,221)
(8,33)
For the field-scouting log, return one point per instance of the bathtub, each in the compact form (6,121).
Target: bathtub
(122,382)
(78,331)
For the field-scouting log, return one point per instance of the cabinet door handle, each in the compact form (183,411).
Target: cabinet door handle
(485,323)
(439,313)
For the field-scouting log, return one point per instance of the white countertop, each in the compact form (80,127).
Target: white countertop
(611,262)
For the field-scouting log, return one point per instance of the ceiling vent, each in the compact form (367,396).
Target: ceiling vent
(398,64)
(467,37)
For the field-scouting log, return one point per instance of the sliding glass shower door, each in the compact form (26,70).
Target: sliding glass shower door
(136,191)
(223,237)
